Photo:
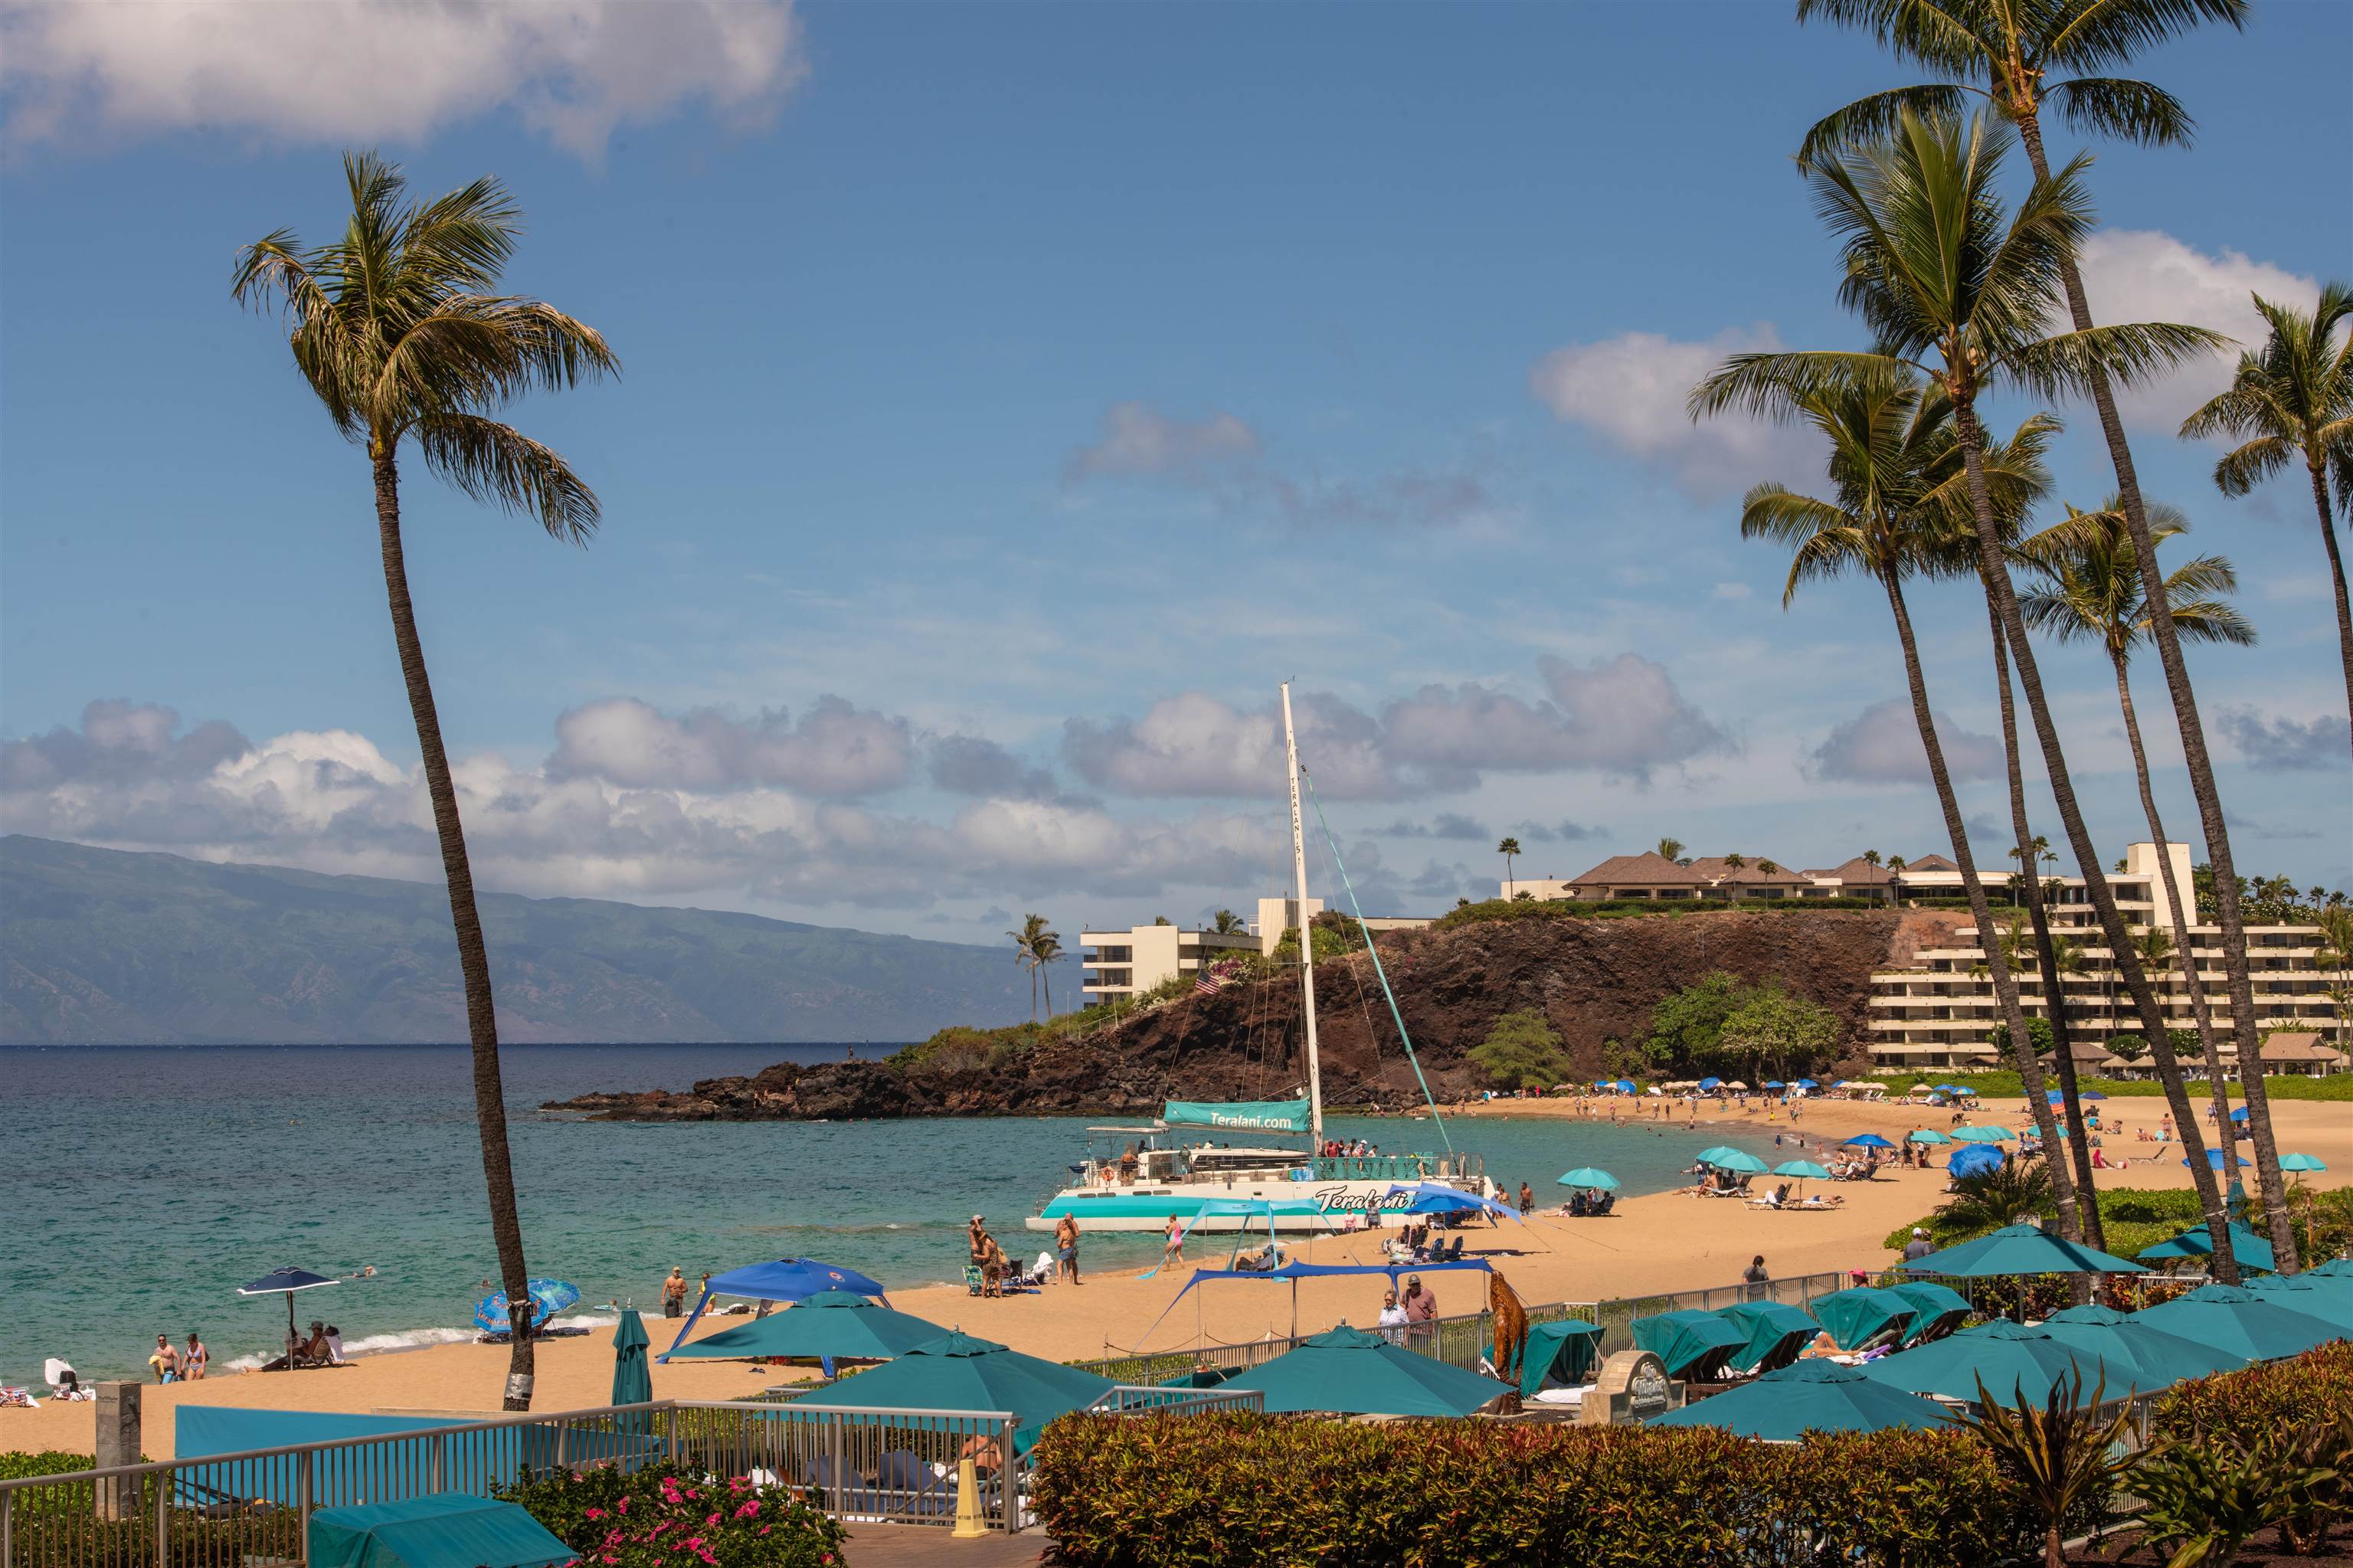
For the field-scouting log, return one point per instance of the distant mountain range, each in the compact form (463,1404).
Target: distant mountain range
(104,946)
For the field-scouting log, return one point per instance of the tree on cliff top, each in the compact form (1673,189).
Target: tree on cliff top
(1522,1051)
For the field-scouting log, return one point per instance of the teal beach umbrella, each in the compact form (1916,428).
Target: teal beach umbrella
(2302,1162)
(2020,1249)
(957,1371)
(1856,1317)
(1984,1135)
(2158,1358)
(832,1323)
(1801,1168)
(1808,1396)
(2010,1360)
(2252,1250)
(1925,1134)
(1724,1157)
(2240,1321)
(1590,1176)
(1346,1372)
(2330,1300)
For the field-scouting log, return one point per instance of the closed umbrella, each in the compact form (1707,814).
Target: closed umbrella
(1590,1176)
(2239,1321)
(2159,1358)
(2020,1249)
(1348,1372)
(2011,1361)
(828,1324)
(1808,1396)
(1856,1317)
(633,1378)
(2252,1250)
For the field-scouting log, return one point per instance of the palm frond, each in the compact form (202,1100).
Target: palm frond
(2085,34)
(2126,355)
(2210,620)
(2245,466)
(2135,112)
(1774,385)
(1872,119)
(500,466)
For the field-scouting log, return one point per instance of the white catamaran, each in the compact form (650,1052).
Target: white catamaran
(1136,1178)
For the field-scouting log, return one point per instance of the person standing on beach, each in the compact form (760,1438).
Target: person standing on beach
(1172,1251)
(165,1361)
(1754,1278)
(193,1359)
(674,1294)
(1066,1244)
(1527,1200)
(977,1238)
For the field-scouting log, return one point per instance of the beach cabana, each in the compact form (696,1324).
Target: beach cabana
(1937,1310)
(2240,1321)
(2019,1249)
(1559,1355)
(1348,1371)
(1862,1315)
(447,1530)
(829,1324)
(958,1371)
(2252,1250)
(1692,1344)
(1808,1396)
(2330,1300)
(1776,1335)
(2012,1363)
(786,1279)
(2160,1358)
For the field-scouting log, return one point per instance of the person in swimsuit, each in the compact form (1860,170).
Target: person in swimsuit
(193,1359)
(1173,1250)
(674,1294)
(1066,1243)
(165,1361)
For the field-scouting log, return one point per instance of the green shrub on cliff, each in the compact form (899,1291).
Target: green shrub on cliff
(1523,1051)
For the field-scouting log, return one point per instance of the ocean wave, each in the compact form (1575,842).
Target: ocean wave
(366,1345)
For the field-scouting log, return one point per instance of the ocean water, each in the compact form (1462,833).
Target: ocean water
(139,1186)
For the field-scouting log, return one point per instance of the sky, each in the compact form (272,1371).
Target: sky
(1012,397)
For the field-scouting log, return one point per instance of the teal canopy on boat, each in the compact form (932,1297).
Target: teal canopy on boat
(1775,1335)
(1238,1115)
(1558,1354)
(449,1529)
(1692,1344)
(1857,1317)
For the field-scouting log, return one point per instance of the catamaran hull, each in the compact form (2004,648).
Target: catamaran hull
(1149,1209)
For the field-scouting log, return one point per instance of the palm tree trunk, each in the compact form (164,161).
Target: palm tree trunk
(2193,746)
(2337,577)
(2218,1082)
(1996,573)
(2005,986)
(473,959)
(2046,958)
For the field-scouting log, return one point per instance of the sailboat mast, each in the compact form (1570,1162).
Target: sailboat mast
(1307,946)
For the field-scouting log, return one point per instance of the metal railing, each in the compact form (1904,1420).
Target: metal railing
(253,1509)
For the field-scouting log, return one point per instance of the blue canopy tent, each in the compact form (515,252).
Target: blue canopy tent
(1558,1354)
(1692,1344)
(447,1530)
(786,1279)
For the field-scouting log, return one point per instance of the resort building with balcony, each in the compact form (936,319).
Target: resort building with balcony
(1116,964)
(1939,1010)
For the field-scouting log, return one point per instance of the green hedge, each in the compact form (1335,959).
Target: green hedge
(2256,1401)
(1242,1488)
(2006,1086)
(1628,908)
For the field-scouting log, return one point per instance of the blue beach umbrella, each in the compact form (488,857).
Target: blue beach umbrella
(1808,1396)
(548,1296)
(1808,1083)
(1868,1140)
(2239,1115)
(1974,1160)
(2214,1159)
(1711,1083)
(1434,1198)
(1601,1082)
(1625,1086)
(287,1280)
(1984,1135)
(2258,1326)
(1591,1176)
(1774,1084)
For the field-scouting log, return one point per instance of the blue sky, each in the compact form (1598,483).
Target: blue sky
(1013,396)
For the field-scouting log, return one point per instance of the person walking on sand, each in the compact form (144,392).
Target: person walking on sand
(673,1291)
(1172,1251)
(165,1361)
(1066,1248)
(193,1359)
(1527,1200)
(1754,1278)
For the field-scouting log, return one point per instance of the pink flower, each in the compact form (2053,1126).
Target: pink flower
(747,1510)
(712,1518)
(596,1514)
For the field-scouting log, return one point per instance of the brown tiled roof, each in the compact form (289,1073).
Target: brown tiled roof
(1857,870)
(1930,862)
(2090,1051)
(1712,868)
(2287,1046)
(1649,868)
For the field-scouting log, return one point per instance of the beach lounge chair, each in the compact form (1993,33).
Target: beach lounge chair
(906,1483)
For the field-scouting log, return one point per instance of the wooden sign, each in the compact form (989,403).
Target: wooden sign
(1633,1386)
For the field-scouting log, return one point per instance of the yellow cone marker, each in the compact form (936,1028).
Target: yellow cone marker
(969,1525)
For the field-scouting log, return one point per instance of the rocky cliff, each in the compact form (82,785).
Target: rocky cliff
(1596,980)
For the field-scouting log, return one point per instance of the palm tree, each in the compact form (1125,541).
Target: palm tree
(1939,270)
(2295,398)
(1671,849)
(396,328)
(1895,473)
(1044,952)
(2014,1191)
(1226,923)
(2017,56)
(1507,849)
(2336,957)
(1025,952)
(2090,591)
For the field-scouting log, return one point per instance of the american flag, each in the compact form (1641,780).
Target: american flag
(1207,981)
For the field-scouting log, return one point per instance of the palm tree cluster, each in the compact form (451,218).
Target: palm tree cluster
(1034,948)
(1965,294)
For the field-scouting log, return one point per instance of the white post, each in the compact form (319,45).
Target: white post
(1307,946)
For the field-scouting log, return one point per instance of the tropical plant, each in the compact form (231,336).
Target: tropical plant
(2089,590)
(1026,942)
(2294,398)
(1770,1024)
(1895,474)
(1226,923)
(1942,273)
(1734,861)
(2063,1454)
(663,1515)
(2336,958)
(2205,1498)
(1508,849)
(2021,56)
(1043,955)
(1670,849)
(397,329)
(2013,1192)
(1522,1051)
(1768,867)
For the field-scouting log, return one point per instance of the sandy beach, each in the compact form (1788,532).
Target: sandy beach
(1661,1242)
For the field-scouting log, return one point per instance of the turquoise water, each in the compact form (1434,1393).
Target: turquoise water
(143,1184)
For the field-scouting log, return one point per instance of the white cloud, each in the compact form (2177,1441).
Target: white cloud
(1631,391)
(2276,744)
(1136,439)
(834,749)
(1882,745)
(2142,275)
(362,70)
(1195,744)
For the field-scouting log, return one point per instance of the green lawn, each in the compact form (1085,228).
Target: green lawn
(2006,1086)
